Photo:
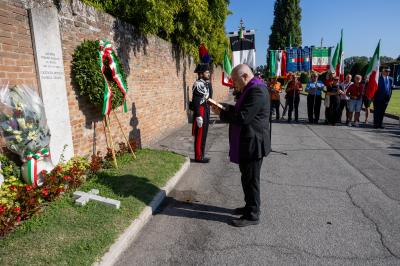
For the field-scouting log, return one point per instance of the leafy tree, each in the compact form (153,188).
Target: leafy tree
(286,24)
(353,65)
(359,68)
(386,59)
(262,69)
(186,23)
(398,58)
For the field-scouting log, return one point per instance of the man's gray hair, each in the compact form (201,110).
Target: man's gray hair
(243,69)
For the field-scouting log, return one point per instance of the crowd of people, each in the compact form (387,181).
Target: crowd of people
(349,95)
(255,100)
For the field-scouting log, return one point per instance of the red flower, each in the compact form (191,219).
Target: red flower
(13,188)
(2,210)
(59,190)
(67,178)
(45,192)
(28,188)
(17,210)
(43,172)
(18,219)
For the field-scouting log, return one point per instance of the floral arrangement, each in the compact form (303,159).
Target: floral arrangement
(91,79)
(24,128)
(22,120)
(19,201)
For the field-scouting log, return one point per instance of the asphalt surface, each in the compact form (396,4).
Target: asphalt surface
(330,196)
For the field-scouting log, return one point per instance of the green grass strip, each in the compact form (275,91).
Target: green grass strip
(65,234)
(394,104)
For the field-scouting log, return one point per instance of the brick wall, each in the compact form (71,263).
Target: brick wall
(159,77)
(17,64)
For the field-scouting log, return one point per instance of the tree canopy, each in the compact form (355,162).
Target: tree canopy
(186,23)
(285,29)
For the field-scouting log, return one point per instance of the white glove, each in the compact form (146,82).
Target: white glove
(199,121)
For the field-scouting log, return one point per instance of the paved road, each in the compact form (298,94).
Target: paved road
(332,200)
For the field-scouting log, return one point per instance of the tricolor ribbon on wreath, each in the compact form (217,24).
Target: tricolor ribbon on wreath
(106,52)
(32,161)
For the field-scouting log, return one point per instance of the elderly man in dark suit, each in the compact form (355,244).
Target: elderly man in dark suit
(249,138)
(382,97)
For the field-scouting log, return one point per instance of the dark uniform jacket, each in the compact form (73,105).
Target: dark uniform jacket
(202,90)
(249,124)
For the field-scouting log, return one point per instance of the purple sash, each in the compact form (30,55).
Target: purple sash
(235,129)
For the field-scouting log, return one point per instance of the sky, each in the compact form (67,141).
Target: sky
(364,22)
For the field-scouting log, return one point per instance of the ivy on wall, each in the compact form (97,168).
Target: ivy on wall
(186,23)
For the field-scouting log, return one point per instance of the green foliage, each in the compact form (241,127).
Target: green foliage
(386,59)
(65,234)
(351,61)
(262,69)
(88,77)
(286,24)
(186,23)
(359,68)
(9,168)
(304,77)
(356,65)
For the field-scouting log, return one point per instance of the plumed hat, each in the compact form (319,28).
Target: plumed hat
(200,68)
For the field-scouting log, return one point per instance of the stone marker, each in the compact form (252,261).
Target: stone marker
(50,69)
(81,198)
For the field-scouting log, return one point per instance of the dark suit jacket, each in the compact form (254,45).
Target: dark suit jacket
(253,118)
(380,94)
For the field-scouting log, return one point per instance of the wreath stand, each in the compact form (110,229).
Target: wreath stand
(109,139)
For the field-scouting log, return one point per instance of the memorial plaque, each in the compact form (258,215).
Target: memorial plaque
(50,68)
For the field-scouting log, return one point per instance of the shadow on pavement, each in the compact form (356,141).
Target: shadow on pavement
(188,209)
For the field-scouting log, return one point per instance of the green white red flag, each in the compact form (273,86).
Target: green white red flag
(337,64)
(321,59)
(373,73)
(277,63)
(226,73)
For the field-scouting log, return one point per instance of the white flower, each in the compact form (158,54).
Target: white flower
(32,135)
(17,132)
(18,138)
(19,107)
(8,129)
(21,123)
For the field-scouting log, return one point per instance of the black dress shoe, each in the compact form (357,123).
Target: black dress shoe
(204,160)
(244,221)
(239,211)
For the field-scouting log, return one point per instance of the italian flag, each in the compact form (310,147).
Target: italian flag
(277,63)
(337,64)
(373,74)
(226,73)
(320,59)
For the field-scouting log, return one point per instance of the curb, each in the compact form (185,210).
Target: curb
(126,238)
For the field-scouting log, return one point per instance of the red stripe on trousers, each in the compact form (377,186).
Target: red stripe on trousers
(199,136)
